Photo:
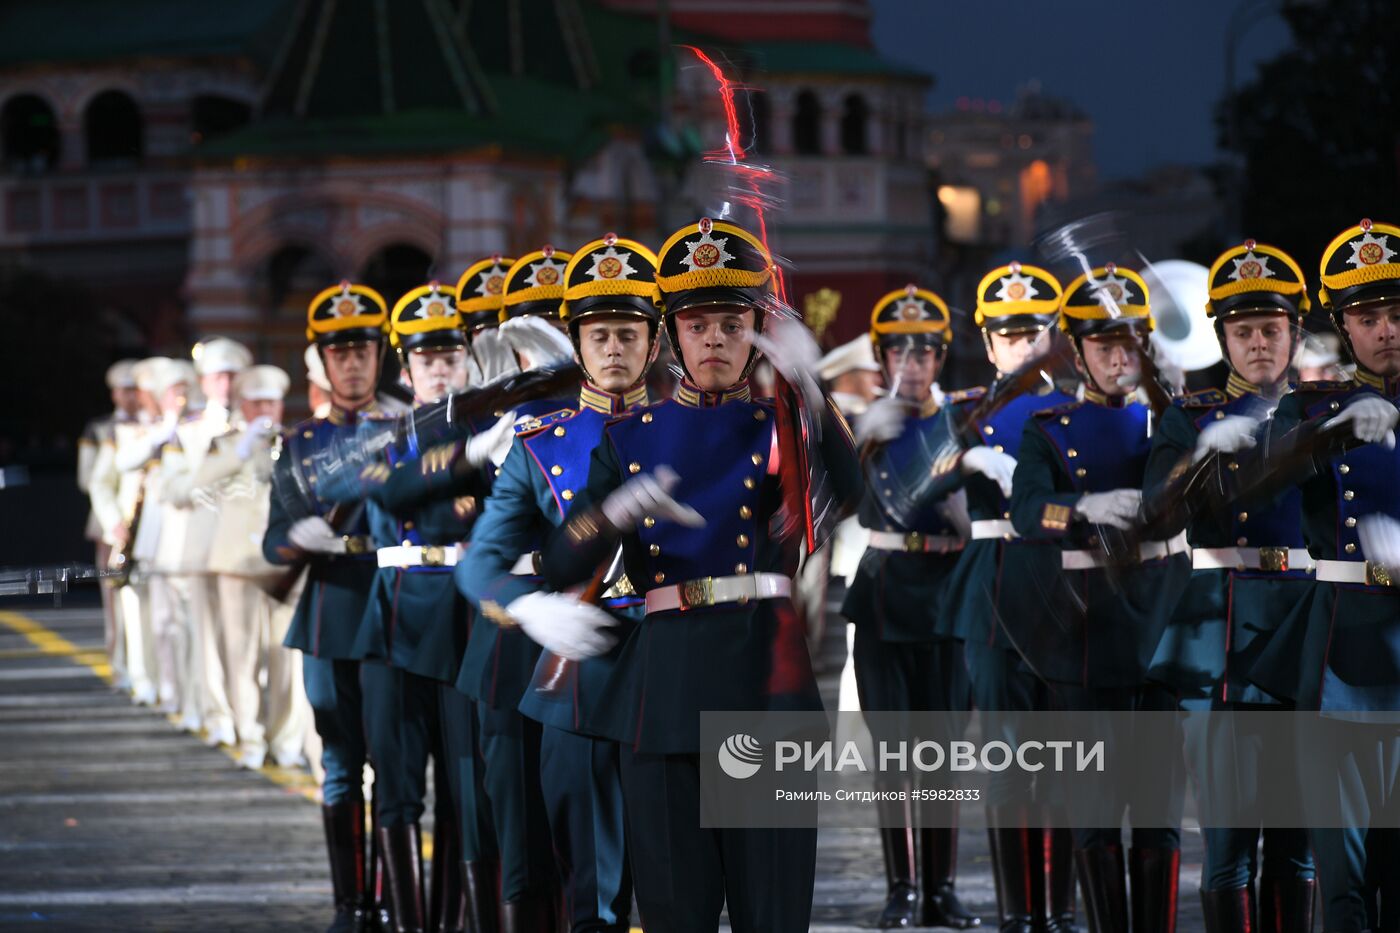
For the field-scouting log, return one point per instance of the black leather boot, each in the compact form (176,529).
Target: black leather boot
(937,869)
(1016,860)
(403,876)
(481,883)
(1286,905)
(1153,874)
(345,846)
(1229,910)
(1059,880)
(532,913)
(1105,888)
(445,902)
(902,906)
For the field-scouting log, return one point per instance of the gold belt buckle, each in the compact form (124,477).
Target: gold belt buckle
(434,555)
(697,593)
(1377,575)
(356,544)
(914,542)
(1273,559)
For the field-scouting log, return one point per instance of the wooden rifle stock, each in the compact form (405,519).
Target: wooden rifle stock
(554,672)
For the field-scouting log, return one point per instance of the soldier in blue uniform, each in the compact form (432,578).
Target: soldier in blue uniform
(901,661)
(1350,664)
(1016,304)
(414,631)
(346,323)
(499,662)
(1251,573)
(1078,482)
(479,297)
(612,319)
(720,631)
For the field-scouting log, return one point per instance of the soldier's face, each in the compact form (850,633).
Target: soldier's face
(253,409)
(1374,330)
(217,387)
(614,351)
(1112,363)
(126,399)
(912,369)
(1259,347)
(715,343)
(436,372)
(352,369)
(1009,352)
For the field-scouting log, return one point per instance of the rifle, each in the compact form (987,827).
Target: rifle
(554,672)
(121,555)
(349,456)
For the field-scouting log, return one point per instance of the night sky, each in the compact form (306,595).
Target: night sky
(1148,73)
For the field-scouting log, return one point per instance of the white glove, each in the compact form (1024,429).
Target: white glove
(315,536)
(794,353)
(991,463)
(493,444)
(1117,507)
(540,342)
(563,625)
(256,434)
(882,422)
(493,356)
(649,495)
(1380,540)
(1229,435)
(1372,420)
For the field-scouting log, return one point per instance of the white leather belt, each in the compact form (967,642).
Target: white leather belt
(1365,572)
(993,528)
(1269,559)
(412,555)
(711,591)
(525,564)
(914,542)
(1147,550)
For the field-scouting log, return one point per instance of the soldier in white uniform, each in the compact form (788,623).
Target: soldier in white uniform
(160,536)
(121,383)
(118,493)
(235,476)
(216,362)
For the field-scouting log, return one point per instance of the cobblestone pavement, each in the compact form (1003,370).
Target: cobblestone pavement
(112,819)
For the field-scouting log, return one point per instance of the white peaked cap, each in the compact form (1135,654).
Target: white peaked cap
(220,355)
(849,357)
(262,383)
(122,375)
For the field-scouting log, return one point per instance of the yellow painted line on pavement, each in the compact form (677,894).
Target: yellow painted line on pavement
(50,644)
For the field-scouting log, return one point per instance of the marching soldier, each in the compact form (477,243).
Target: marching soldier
(612,319)
(1251,572)
(160,538)
(500,660)
(1078,482)
(1352,655)
(217,362)
(415,629)
(731,642)
(234,479)
(1016,305)
(346,323)
(121,383)
(901,663)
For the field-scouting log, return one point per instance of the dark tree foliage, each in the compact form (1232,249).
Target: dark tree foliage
(1319,129)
